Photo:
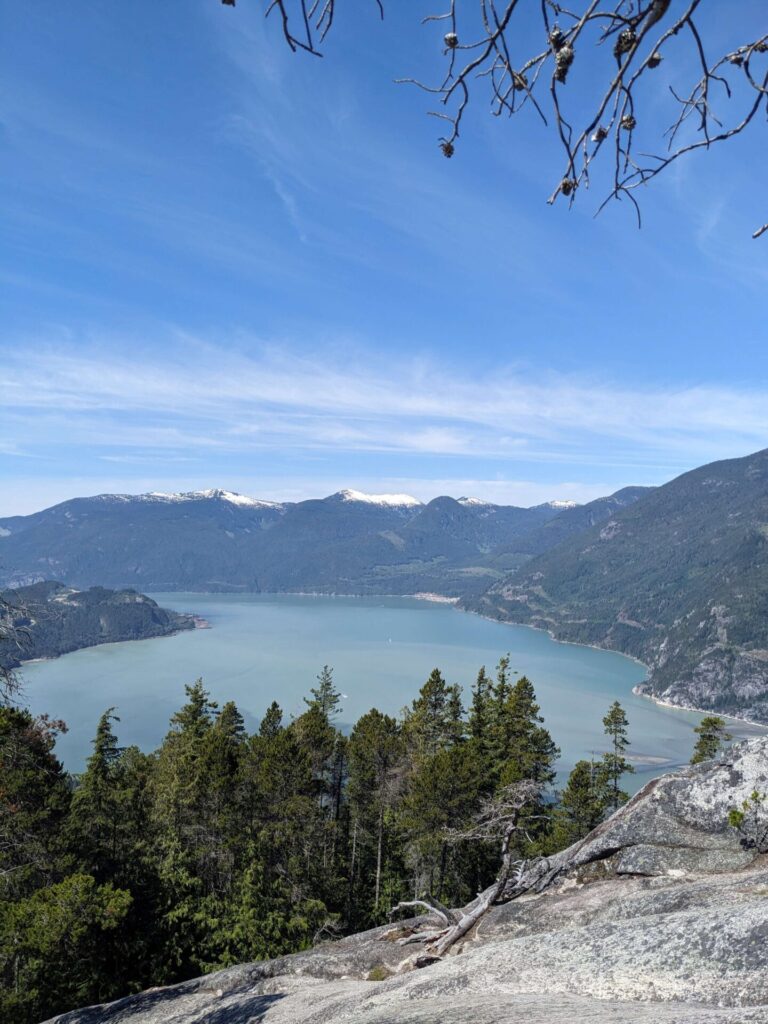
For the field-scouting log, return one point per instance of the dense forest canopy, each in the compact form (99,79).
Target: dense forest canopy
(222,847)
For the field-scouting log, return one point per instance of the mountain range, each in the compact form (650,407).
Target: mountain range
(676,576)
(349,542)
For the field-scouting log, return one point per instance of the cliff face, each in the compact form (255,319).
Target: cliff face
(659,915)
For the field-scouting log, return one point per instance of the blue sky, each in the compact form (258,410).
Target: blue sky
(227,265)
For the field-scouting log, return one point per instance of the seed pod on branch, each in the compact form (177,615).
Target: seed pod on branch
(628,122)
(567,186)
(451,40)
(556,38)
(600,134)
(624,43)
(655,59)
(447,149)
(563,61)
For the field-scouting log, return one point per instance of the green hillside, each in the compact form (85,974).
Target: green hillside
(678,579)
(54,619)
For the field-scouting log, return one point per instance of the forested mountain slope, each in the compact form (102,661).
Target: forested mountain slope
(215,540)
(678,579)
(560,528)
(54,619)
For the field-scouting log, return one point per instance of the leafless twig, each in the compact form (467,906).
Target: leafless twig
(618,43)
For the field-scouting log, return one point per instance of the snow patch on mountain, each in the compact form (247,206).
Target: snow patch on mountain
(478,502)
(231,497)
(562,504)
(214,493)
(396,500)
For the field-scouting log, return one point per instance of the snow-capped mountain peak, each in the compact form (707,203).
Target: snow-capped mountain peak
(216,493)
(561,504)
(392,500)
(477,502)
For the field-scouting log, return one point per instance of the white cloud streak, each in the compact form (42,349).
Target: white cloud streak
(188,397)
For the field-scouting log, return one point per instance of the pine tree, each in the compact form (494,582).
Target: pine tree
(712,735)
(285,824)
(272,721)
(480,711)
(615,763)
(500,725)
(444,792)
(530,751)
(185,852)
(34,802)
(52,948)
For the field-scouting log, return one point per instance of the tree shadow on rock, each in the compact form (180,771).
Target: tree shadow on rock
(250,1010)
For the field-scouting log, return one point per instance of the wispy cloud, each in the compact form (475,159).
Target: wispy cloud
(188,396)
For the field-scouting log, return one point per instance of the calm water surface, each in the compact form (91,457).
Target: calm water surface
(262,648)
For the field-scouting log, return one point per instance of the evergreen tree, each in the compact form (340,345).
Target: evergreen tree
(582,804)
(34,801)
(97,819)
(317,737)
(325,697)
(530,752)
(272,721)
(375,781)
(443,793)
(292,834)
(712,735)
(52,948)
(186,852)
(480,712)
(500,724)
(615,763)
(434,719)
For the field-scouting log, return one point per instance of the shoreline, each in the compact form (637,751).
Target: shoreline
(203,624)
(699,711)
(200,622)
(610,650)
(557,640)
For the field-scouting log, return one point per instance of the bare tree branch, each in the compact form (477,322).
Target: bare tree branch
(484,45)
(504,817)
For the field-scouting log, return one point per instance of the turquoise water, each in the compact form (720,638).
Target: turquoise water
(262,648)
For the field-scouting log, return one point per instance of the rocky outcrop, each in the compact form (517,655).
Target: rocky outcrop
(725,679)
(659,915)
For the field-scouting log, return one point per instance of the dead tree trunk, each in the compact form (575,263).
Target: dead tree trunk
(502,818)
(379,845)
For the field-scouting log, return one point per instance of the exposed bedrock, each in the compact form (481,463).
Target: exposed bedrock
(659,915)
